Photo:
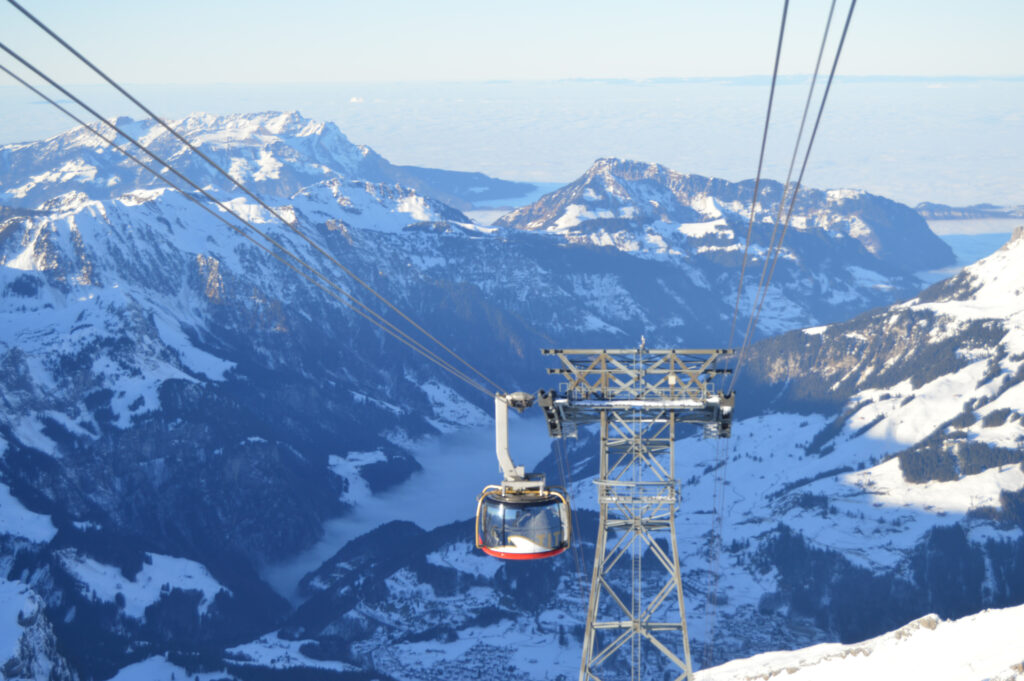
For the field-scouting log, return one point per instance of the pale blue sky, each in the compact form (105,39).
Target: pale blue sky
(373,67)
(257,41)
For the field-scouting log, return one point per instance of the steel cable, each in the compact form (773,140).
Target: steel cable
(565,472)
(757,179)
(718,488)
(807,107)
(792,199)
(767,273)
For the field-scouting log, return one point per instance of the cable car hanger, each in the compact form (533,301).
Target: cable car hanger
(522,518)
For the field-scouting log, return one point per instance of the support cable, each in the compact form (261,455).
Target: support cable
(767,274)
(291,225)
(715,550)
(366,313)
(722,453)
(807,107)
(757,179)
(774,247)
(792,199)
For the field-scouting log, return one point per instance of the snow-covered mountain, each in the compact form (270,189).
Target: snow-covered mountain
(648,208)
(272,152)
(845,249)
(981,647)
(180,409)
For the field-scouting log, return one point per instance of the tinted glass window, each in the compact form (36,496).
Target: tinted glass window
(541,525)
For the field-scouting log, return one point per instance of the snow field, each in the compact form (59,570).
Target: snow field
(158,668)
(982,647)
(18,521)
(278,653)
(886,485)
(159,575)
(452,411)
(465,557)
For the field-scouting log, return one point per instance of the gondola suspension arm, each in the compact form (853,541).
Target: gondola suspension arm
(514,478)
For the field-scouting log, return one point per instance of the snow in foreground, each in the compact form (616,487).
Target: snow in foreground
(988,645)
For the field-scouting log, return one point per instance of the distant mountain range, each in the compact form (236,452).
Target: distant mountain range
(939,211)
(180,409)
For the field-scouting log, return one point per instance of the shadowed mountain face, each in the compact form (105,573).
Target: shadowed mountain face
(180,408)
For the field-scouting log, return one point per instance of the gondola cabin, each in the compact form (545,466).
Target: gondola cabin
(522,525)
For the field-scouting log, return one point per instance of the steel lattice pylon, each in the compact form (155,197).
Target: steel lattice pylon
(638,397)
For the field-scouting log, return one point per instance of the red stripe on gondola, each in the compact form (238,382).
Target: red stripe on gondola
(521,556)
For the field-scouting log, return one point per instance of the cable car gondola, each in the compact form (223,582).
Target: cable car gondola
(522,525)
(522,518)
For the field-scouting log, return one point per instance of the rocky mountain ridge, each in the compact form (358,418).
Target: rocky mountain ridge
(977,647)
(940,211)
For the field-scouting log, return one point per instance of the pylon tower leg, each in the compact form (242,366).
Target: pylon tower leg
(636,605)
(638,396)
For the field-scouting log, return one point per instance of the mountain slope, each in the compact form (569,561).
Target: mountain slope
(159,401)
(979,647)
(28,647)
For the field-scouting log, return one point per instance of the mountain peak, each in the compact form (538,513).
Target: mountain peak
(1015,239)
(613,164)
(630,170)
(237,128)
(649,208)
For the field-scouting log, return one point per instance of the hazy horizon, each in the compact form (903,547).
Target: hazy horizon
(950,140)
(405,41)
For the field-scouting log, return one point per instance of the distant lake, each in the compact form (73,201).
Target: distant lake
(974,239)
(975,226)
(971,240)
(970,248)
